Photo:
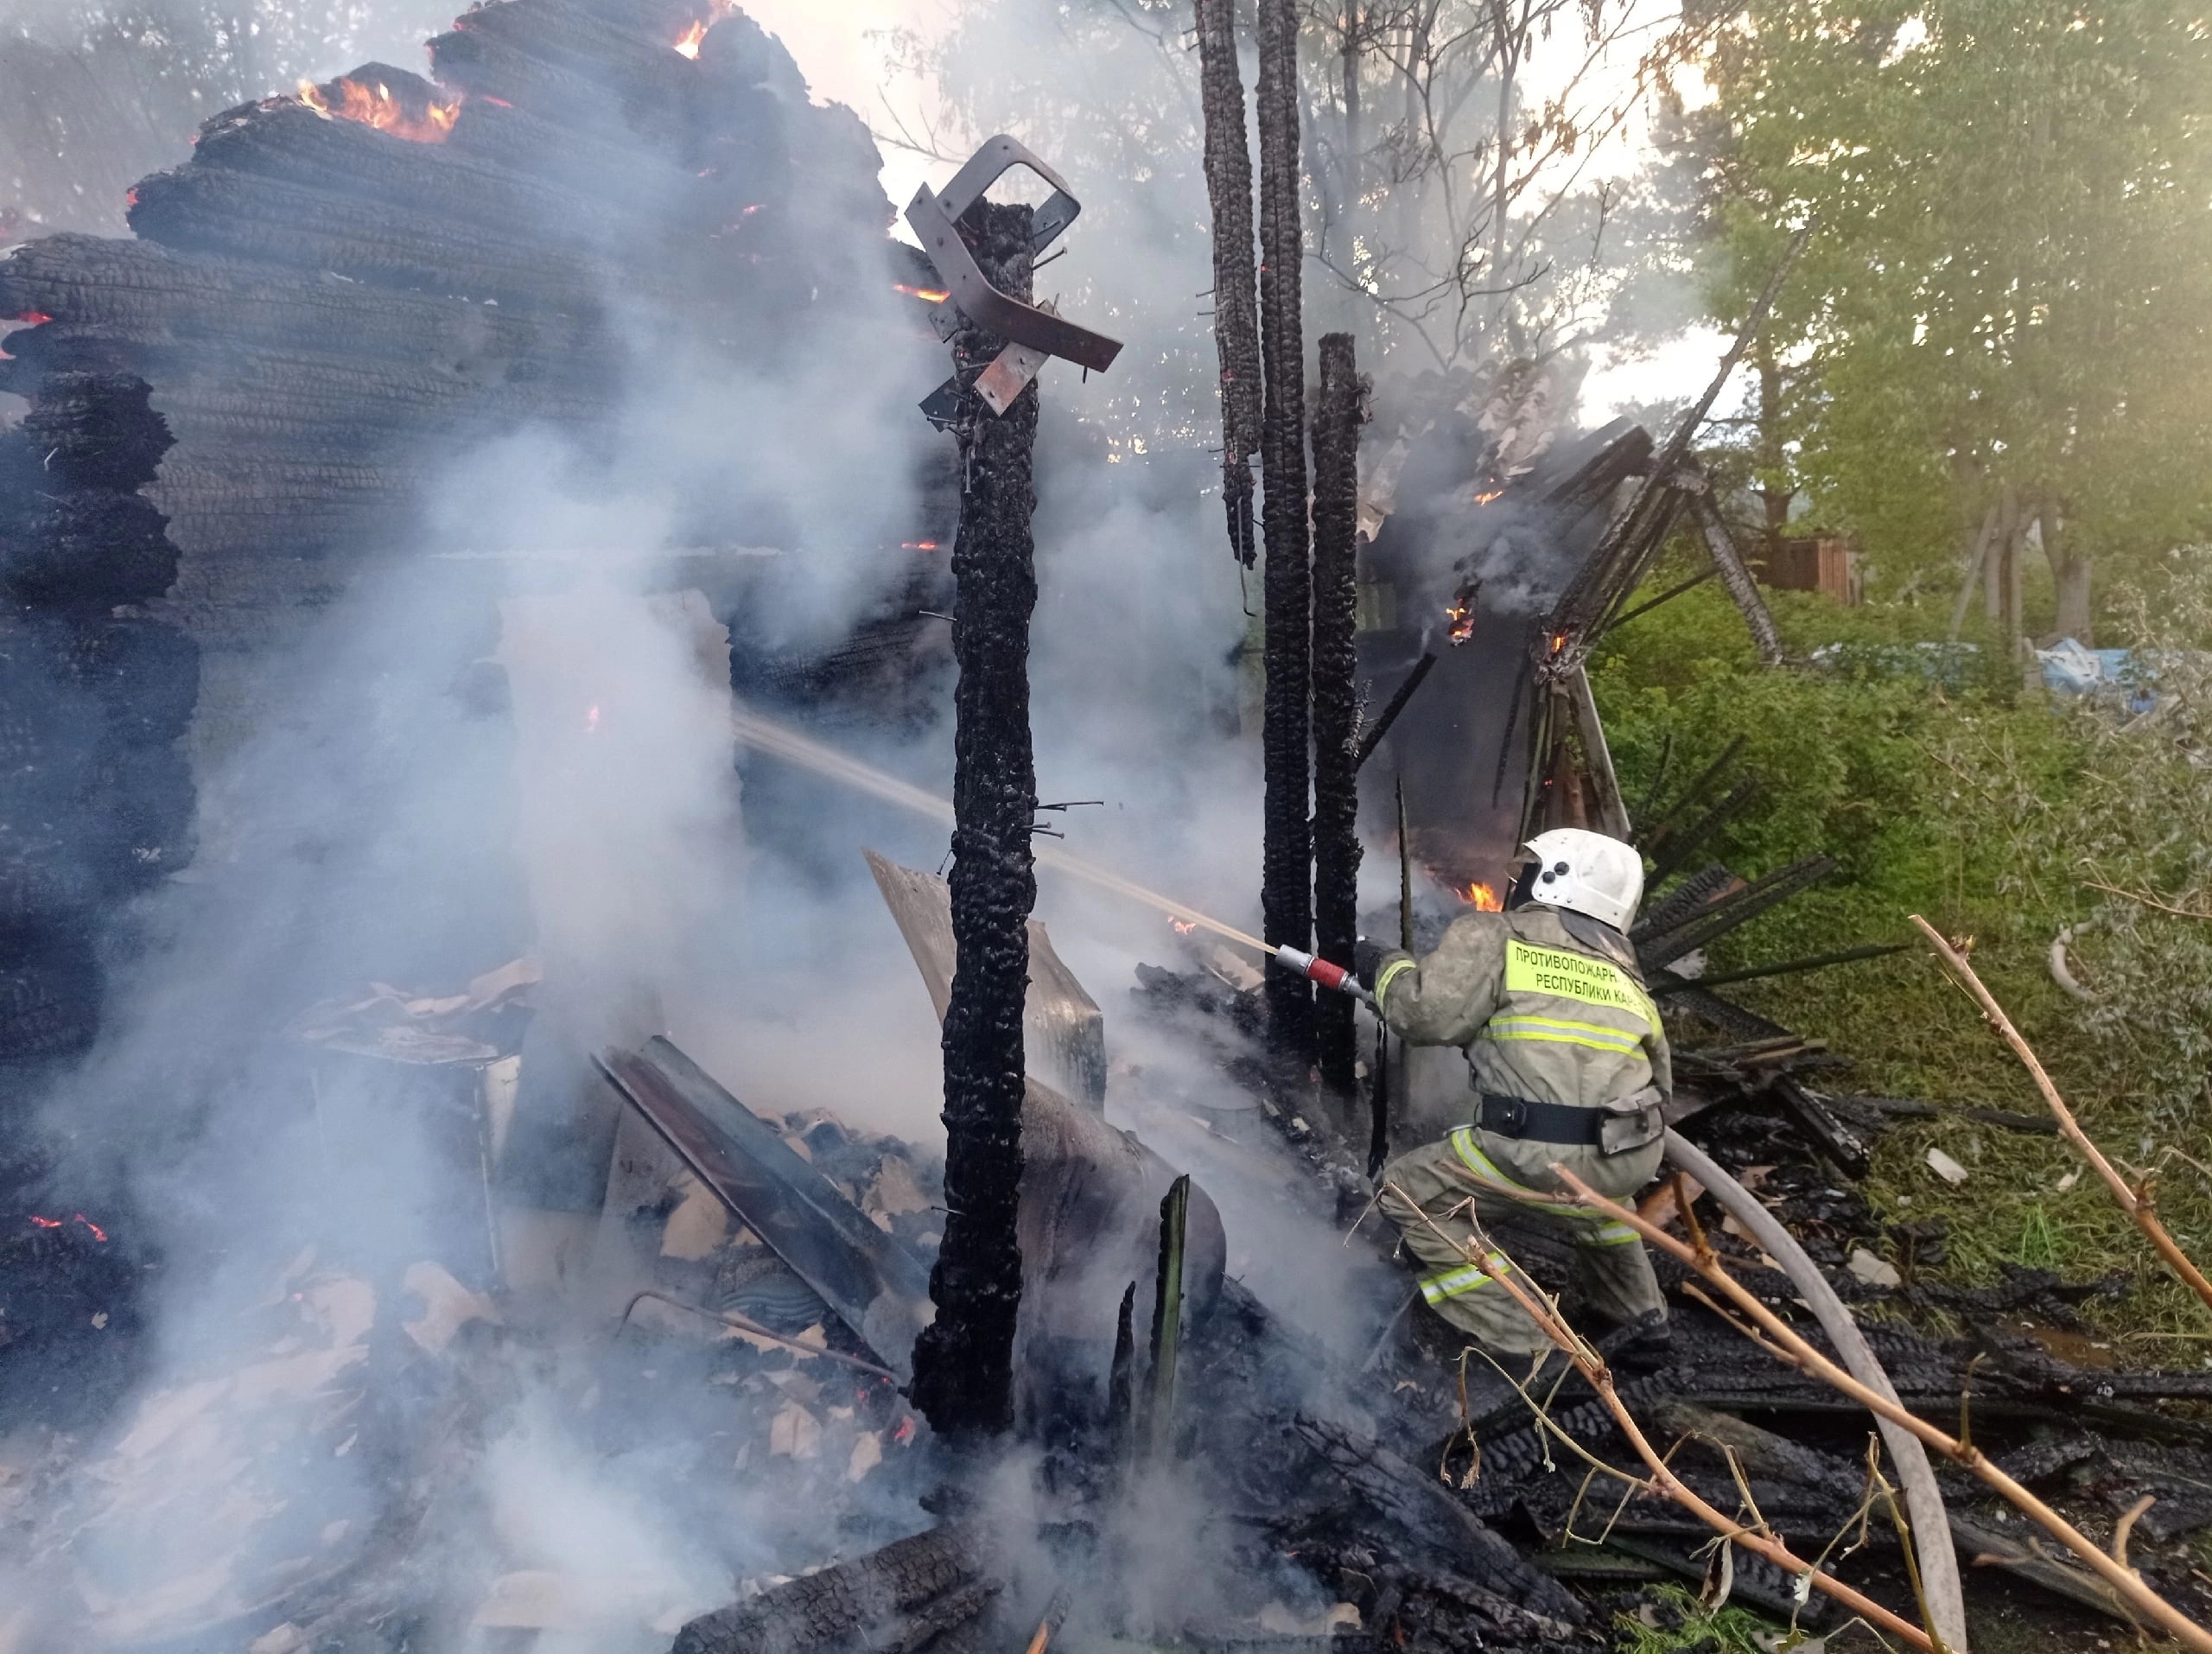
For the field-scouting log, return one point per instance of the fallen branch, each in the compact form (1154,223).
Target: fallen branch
(1785,1343)
(2134,1201)
(1662,1478)
(2145,899)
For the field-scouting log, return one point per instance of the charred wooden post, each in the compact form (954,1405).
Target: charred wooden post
(1743,591)
(963,1361)
(1235,294)
(1337,420)
(1286,887)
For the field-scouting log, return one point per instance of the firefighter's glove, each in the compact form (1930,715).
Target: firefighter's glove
(1367,960)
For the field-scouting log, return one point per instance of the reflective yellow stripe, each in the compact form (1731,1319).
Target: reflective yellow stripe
(1457,1283)
(1560,1033)
(1607,1232)
(1391,972)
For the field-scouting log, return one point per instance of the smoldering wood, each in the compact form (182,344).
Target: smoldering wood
(1423,1510)
(207,210)
(1286,882)
(962,1362)
(156,301)
(887,1597)
(1337,416)
(1235,294)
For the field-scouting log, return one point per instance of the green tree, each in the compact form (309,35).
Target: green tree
(2011,293)
(1460,211)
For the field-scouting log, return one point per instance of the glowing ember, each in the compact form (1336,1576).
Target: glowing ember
(376,106)
(32,318)
(92,1228)
(1481,897)
(692,39)
(927,295)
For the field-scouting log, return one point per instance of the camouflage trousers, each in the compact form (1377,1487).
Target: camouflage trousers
(1436,1196)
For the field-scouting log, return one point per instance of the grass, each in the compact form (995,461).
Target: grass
(1737,1630)
(1941,800)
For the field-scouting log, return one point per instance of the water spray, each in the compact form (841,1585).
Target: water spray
(779,740)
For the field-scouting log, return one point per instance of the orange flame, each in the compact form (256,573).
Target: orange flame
(1462,616)
(927,295)
(689,43)
(38,1222)
(1481,897)
(1484,499)
(917,546)
(591,722)
(1183,926)
(376,106)
(32,318)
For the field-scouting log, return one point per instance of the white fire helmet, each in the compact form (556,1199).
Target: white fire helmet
(1587,873)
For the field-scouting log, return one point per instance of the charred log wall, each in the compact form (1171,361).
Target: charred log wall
(963,1361)
(237,414)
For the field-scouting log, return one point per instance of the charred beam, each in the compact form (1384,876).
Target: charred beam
(1337,420)
(1235,294)
(963,1363)
(1286,888)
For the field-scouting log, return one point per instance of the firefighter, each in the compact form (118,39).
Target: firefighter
(1567,1062)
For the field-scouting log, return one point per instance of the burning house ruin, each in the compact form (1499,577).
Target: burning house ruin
(417,523)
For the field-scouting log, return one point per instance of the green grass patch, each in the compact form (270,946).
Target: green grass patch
(1988,809)
(1737,1630)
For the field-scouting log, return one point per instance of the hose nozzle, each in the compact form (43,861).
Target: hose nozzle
(1332,976)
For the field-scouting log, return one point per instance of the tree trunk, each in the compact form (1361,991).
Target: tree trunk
(1235,298)
(2069,574)
(1286,889)
(1773,458)
(964,1360)
(1335,667)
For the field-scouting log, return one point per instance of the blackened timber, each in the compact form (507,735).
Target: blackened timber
(152,300)
(208,210)
(1337,419)
(963,1361)
(1235,293)
(1376,732)
(1743,590)
(1287,878)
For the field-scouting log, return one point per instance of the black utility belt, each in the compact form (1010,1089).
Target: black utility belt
(1525,1120)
